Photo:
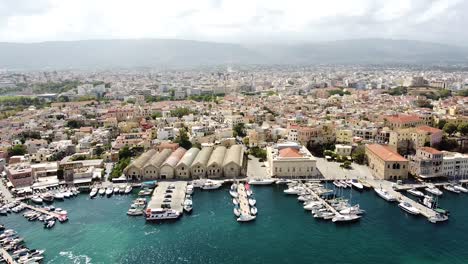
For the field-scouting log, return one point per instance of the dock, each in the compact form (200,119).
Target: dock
(177,199)
(323,201)
(426,212)
(7,257)
(243,199)
(42,211)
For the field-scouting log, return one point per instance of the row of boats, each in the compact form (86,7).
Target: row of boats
(244,202)
(322,204)
(14,245)
(349,184)
(50,196)
(123,189)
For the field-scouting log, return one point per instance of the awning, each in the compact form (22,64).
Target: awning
(82,180)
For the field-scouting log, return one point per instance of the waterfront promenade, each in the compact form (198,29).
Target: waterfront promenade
(7,257)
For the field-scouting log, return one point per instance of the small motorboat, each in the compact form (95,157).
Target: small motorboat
(128,189)
(109,191)
(451,188)
(434,190)
(235,201)
(36,199)
(356,184)
(416,193)
(116,190)
(460,188)
(237,211)
(385,195)
(253,210)
(345,218)
(189,189)
(102,191)
(93,192)
(338,184)
(407,207)
(49,224)
(134,212)
(234,194)
(252,201)
(59,196)
(188,205)
(261,181)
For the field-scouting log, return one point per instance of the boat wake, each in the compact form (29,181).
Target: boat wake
(76,259)
(151,232)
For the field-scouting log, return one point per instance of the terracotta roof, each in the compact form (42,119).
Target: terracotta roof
(403,118)
(385,153)
(429,129)
(431,150)
(289,153)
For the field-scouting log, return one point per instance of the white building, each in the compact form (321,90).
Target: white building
(343,150)
(166,133)
(291,160)
(233,120)
(454,164)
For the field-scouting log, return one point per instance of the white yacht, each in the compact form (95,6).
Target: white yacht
(261,181)
(189,189)
(252,201)
(58,196)
(337,184)
(405,206)
(385,195)
(237,211)
(416,193)
(36,199)
(93,192)
(234,194)
(161,214)
(253,210)
(211,185)
(246,218)
(460,188)
(134,212)
(356,184)
(450,188)
(109,191)
(282,181)
(294,190)
(434,190)
(352,210)
(345,218)
(188,205)
(128,189)
(313,205)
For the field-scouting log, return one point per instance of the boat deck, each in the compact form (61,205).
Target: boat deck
(178,195)
(427,212)
(243,200)
(7,257)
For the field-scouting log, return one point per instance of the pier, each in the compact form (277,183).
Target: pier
(7,257)
(323,201)
(42,211)
(177,195)
(426,212)
(243,200)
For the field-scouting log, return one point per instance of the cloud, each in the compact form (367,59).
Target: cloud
(250,21)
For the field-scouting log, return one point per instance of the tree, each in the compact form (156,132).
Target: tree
(125,152)
(447,144)
(156,115)
(463,128)
(359,155)
(258,153)
(183,139)
(441,124)
(450,128)
(239,130)
(346,165)
(246,141)
(16,150)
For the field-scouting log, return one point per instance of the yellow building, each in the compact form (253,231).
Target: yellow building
(385,163)
(344,136)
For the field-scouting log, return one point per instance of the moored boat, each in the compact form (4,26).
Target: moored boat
(415,192)
(385,195)
(261,181)
(407,207)
(246,218)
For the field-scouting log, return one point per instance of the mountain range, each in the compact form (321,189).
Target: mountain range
(130,53)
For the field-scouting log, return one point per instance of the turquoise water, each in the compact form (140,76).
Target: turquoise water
(99,231)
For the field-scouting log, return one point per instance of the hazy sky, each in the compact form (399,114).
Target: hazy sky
(253,21)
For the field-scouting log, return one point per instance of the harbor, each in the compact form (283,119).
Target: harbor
(175,198)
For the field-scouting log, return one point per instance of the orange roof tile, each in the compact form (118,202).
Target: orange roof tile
(428,129)
(403,118)
(289,153)
(431,150)
(385,153)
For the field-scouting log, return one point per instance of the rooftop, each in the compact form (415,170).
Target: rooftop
(385,153)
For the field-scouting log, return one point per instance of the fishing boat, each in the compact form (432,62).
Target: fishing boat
(407,207)
(385,195)
(246,218)
(415,192)
(261,181)
(93,192)
(356,184)
(433,190)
